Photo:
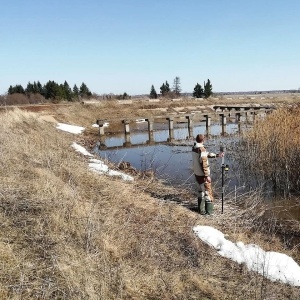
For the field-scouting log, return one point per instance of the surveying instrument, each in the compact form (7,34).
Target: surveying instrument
(224,168)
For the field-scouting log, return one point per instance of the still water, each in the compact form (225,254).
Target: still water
(172,163)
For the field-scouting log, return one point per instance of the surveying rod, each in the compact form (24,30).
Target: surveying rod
(223,149)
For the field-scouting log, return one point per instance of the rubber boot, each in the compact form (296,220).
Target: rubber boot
(201,206)
(209,207)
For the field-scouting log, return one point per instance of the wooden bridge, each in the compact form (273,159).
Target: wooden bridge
(220,111)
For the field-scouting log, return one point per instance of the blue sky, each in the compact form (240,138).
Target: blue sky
(117,46)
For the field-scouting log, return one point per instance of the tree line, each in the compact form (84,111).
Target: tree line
(57,92)
(166,91)
(52,90)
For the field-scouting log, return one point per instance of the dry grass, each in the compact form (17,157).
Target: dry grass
(271,153)
(273,149)
(105,109)
(68,233)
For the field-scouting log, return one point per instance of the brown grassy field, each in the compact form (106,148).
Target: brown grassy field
(69,233)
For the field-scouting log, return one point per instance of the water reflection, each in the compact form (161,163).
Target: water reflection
(171,163)
(141,136)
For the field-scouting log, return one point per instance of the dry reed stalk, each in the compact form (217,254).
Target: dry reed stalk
(272,149)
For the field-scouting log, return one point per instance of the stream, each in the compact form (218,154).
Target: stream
(172,162)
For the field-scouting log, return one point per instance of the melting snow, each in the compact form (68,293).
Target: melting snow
(106,124)
(99,166)
(70,128)
(81,149)
(95,164)
(273,265)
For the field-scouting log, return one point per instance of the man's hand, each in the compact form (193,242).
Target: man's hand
(208,179)
(221,154)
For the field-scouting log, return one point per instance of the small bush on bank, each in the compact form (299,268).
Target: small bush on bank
(16,99)
(36,99)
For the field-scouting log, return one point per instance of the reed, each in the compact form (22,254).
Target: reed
(271,150)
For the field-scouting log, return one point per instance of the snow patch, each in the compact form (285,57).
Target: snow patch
(70,128)
(272,265)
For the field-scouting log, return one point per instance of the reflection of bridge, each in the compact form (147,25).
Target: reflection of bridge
(220,111)
(102,145)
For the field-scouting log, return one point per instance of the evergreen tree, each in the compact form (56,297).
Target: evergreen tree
(176,86)
(29,88)
(75,91)
(67,91)
(40,89)
(61,92)
(198,91)
(84,90)
(18,89)
(10,90)
(208,89)
(35,88)
(165,89)
(51,89)
(125,96)
(153,94)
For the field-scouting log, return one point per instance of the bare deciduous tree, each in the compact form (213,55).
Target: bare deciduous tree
(176,86)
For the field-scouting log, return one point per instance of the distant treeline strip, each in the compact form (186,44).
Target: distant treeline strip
(52,90)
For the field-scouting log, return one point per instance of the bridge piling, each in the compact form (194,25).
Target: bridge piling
(190,125)
(171,128)
(241,114)
(223,123)
(101,123)
(127,133)
(150,131)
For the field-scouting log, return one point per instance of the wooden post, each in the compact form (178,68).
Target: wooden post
(127,141)
(101,126)
(207,121)
(150,131)
(171,128)
(127,133)
(207,124)
(190,125)
(126,126)
(223,122)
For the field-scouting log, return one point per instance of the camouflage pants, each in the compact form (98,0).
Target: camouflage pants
(204,188)
(205,196)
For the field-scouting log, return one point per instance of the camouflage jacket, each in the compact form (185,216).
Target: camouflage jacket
(200,160)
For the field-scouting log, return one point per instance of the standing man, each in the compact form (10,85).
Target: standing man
(202,173)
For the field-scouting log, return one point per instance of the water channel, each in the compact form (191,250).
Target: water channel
(172,162)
